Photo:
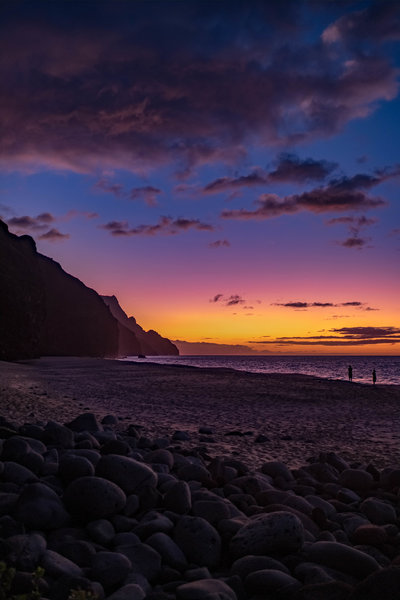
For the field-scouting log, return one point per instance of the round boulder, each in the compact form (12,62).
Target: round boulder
(198,540)
(94,497)
(39,507)
(205,589)
(110,568)
(276,532)
(129,474)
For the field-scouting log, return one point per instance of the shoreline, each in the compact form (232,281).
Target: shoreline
(253,416)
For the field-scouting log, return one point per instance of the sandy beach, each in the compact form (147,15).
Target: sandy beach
(255,417)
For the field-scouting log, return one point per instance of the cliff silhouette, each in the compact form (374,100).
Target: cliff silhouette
(45,311)
(151,342)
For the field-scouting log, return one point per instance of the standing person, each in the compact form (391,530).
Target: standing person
(374,377)
(350,370)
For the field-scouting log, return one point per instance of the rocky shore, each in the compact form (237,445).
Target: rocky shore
(126,517)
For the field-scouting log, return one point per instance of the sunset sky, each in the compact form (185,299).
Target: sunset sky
(229,170)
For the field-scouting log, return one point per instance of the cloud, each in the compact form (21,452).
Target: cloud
(289,169)
(303,305)
(54,235)
(148,193)
(212,348)
(339,195)
(32,224)
(343,336)
(186,84)
(166,226)
(104,185)
(232,300)
(217,298)
(355,242)
(219,244)
(378,23)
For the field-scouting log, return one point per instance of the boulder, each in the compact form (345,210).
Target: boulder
(94,497)
(129,474)
(198,540)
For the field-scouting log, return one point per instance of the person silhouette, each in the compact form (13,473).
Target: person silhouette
(350,370)
(374,376)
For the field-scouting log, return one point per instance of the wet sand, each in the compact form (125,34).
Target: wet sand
(297,415)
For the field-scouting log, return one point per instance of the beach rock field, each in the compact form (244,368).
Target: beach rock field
(116,514)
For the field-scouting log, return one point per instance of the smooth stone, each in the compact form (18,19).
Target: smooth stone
(347,496)
(178,498)
(85,422)
(79,552)
(205,589)
(8,501)
(160,456)
(57,565)
(277,532)
(23,551)
(379,513)
(39,507)
(342,558)
(270,580)
(199,541)
(212,511)
(372,535)
(277,469)
(193,472)
(253,484)
(323,472)
(356,480)
(331,590)
(382,585)
(310,573)
(380,558)
(116,447)
(144,559)
(101,531)
(94,497)
(153,522)
(131,591)
(110,568)
(327,508)
(169,551)
(109,420)
(72,467)
(181,436)
(251,563)
(16,473)
(129,474)
(58,435)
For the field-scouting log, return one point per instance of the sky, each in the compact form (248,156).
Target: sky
(229,170)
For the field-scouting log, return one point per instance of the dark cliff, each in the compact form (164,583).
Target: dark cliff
(22,304)
(151,342)
(45,311)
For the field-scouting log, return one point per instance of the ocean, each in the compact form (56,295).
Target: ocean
(330,367)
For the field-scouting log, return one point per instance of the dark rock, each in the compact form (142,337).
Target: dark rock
(205,589)
(72,467)
(331,590)
(277,532)
(382,585)
(169,551)
(356,480)
(57,565)
(94,497)
(342,558)
(129,474)
(379,513)
(249,564)
(269,580)
(144,559)
(23,551)
(131,591)
(207,547)
(85,422)
(178,498)
(39,507)
(110,568)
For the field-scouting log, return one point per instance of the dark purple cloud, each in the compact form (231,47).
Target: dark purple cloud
(32,224)
(54,235)
(378,23)
(291,168)
(219,244)
(148,193)
(190,82)
(355,242)
(109,187)
(232,300)
(166,226)
(302,304)
(223,184)
(343,336)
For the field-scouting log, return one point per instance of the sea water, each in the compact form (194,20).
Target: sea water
(330,367)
